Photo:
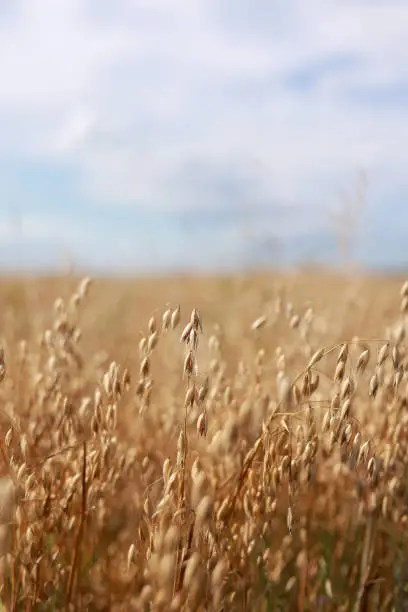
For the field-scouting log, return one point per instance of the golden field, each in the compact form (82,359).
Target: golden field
(197,443)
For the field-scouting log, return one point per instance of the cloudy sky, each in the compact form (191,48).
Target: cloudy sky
(166,133)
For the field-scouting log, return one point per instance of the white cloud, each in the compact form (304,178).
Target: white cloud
(36,228)
(134,93)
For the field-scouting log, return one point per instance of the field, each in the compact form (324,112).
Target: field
(206,444)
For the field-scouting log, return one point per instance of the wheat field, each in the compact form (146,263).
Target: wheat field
(209,444)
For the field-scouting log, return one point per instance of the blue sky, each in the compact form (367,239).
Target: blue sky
(144,134)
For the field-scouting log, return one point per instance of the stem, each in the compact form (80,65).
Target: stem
(79,535)
(366,560)
(179,574)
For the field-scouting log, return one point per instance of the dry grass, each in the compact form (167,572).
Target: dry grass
(244,451)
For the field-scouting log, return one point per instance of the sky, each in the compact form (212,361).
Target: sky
(164,134)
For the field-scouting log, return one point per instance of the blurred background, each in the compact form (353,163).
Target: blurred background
(166,135)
